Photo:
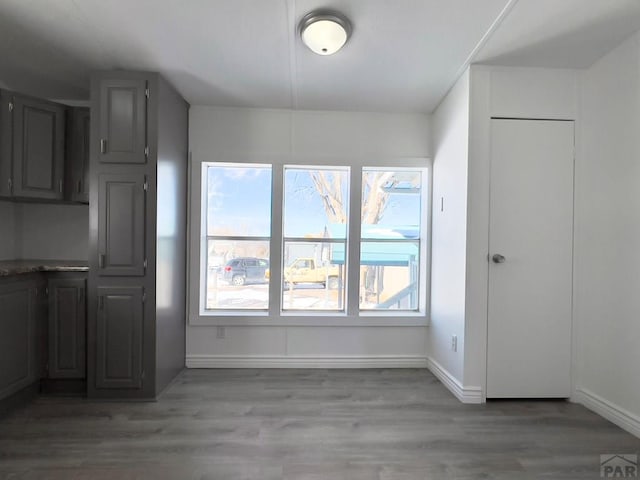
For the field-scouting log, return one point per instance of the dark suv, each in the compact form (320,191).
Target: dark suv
(246,270)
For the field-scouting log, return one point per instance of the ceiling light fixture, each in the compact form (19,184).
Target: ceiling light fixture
(325,32)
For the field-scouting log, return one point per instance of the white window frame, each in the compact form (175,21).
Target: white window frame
(205,240)
(352,316)
(283,238)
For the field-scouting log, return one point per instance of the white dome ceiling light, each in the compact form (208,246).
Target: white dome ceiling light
(324,32)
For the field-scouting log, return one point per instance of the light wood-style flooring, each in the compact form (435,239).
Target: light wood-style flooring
(306,424)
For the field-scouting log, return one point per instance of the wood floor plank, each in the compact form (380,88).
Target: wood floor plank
(306,425)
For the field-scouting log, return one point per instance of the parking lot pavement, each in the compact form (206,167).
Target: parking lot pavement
(256,296)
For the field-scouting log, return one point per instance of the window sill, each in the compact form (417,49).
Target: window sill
(292,320)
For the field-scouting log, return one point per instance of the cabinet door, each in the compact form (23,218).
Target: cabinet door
(67,327)
(119,337)
(121,218)
(5,144)
(38,148)
(17,337)
(123,121)
(77,167)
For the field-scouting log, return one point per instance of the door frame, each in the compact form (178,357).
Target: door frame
(572,323)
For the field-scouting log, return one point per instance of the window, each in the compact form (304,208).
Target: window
(390,239)
(311,243)
(315,227)
(238,226)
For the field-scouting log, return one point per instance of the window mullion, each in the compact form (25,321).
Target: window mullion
(203,215)
(275,250)
(353,242)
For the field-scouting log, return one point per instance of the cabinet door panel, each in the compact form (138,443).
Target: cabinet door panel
(38,148)
(67,327)
(17,337)
(123,121)
(5,144)
(119,337)
(121,225)
(78,141)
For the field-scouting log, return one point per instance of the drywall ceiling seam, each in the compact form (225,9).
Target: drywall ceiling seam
(481,43)
(293,60)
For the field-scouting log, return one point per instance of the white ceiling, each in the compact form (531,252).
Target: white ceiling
(403,56)
(560,33)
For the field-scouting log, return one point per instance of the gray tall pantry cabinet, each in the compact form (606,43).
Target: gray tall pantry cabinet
(137,242)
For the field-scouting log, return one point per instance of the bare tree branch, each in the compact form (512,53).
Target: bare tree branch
(329,187)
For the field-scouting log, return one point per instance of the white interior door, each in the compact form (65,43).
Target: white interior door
(530,286)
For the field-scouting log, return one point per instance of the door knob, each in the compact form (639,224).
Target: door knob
(497,258)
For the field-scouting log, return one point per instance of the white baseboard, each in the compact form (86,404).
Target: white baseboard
(238,361)
(462,393)
(603,407)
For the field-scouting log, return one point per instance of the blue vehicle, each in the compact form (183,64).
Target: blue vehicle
(243,270)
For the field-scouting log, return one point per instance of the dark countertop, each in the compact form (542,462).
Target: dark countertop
(15,267)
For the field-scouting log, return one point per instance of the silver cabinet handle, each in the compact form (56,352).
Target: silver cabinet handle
(497,258)
(101,260)
(103,146)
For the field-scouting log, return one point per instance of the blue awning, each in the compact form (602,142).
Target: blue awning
(400,253)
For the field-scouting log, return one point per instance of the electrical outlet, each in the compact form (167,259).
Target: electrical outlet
(454,343)
(221,332)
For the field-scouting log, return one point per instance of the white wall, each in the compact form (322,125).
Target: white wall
(54,231)
(499,92)
(462,130)
(243,133)
(607,238)
(605,103)
(228,134)
(43,231)
(449,230)
(8,230)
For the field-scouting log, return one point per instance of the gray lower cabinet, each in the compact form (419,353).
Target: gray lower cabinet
(121,222)
(19,332)
(38,148)
(67,328)
(119,332)
(122,117)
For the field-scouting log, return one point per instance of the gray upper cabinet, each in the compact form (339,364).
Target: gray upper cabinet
(122,113)
(119,338)
(67,328)
(77,166)
(5,144)
(121,220)
(38,148)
